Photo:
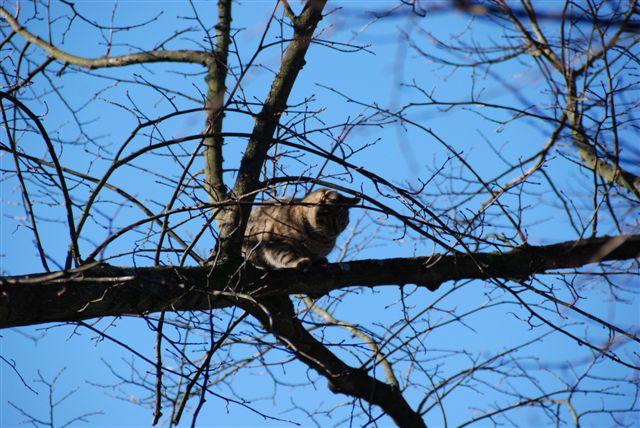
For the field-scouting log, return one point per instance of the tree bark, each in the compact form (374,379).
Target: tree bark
(266,123)
(278,317)
(98,290)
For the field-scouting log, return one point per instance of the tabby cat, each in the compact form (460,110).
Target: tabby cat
(296,235)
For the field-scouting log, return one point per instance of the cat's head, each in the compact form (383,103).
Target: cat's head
(329,210)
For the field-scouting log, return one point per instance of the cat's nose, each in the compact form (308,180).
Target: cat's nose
(350,201)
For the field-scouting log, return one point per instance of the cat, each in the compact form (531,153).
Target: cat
(296,235)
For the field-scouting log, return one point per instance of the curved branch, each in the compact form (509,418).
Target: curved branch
(116,189)
(188,56)
(74,252)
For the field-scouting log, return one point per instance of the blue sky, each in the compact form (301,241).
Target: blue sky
(404,155)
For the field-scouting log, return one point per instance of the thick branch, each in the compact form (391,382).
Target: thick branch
(216,88)
(278,317)
(188,56)
(266,124)
(611,172)
(97,291)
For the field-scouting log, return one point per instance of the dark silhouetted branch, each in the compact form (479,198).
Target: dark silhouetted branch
(101,290)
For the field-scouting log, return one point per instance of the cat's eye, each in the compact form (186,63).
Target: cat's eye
(332,196)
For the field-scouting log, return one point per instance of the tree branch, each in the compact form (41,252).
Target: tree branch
(188,56)
(216,88)
(612,173)
(278,317)
(97,290)
(266,124)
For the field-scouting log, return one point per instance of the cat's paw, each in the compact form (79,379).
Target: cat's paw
(302,263)
(321,261)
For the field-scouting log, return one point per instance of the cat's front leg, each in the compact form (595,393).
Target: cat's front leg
(281,256)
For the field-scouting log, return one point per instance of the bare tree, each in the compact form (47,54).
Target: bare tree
(508,243)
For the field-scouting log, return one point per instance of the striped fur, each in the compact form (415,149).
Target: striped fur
(296,235)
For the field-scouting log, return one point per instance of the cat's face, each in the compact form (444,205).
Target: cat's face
(330,212)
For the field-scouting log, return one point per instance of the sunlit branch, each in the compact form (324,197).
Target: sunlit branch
(185,56)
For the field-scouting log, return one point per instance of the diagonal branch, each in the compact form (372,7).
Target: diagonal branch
(611,172)
(378,356)
(265,125)
(98,290)
(278,317)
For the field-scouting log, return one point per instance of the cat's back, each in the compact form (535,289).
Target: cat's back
(273,217)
